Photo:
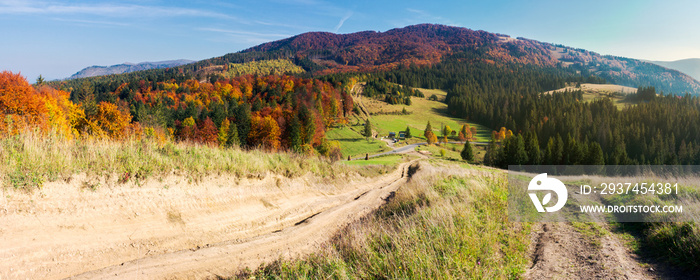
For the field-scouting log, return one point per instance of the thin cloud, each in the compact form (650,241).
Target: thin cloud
(238,32)
(422,17)
(92,22)
(342,21)
(246,36)
(54,8)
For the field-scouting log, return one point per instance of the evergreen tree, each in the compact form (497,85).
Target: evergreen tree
(548,157)
(368,129)
(572,152)
(407,133)
(467,152)
(491,156)
(233,139)
(308,125)
(595,155)
(513,152)
(428,128)
(295,134)
(532,148)
(243,119)
(558,151)
(430,136)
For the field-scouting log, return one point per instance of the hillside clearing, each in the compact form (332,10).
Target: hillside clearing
(421,111)
(616,93)
(387,118)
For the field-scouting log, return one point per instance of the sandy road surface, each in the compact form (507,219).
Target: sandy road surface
(172,228)
(560,251)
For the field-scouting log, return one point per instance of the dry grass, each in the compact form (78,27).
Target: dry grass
(445,224)
(27,161)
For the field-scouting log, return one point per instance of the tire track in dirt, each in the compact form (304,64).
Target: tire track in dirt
(560,251)
(228,257)
(65,229)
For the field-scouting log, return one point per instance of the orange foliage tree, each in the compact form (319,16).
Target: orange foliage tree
(63,116)
(207,132)
(20,105)
(108,121)
(265,132)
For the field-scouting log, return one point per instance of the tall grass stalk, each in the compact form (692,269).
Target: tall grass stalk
(28,160)
(439,226)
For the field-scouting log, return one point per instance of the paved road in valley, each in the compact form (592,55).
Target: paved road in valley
(412,147)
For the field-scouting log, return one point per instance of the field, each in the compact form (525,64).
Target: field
(353,144)
(452,151)
(420,112)
(386,118)
(390,160)
(591,92)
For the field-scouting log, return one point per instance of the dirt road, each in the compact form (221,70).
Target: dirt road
(172,228)
(565,250)
(560,251)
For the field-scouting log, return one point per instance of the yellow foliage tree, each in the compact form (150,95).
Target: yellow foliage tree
(223,132)
(109,121)
(264,132)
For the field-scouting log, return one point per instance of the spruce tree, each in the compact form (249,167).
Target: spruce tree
(491,156)
(467,153)
(532,148)
(428,128)
(233,140)
(295,134)
(595,155)
(243,119)
(368,129)
(308,126)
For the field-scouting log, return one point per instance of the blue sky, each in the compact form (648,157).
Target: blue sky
(58,38)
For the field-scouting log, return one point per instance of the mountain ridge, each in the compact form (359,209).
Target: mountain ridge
(127,67)
(427,44)
(689,66)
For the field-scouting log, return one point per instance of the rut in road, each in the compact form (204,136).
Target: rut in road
(227,258)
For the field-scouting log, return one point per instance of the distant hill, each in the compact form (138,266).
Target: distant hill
(427,44)
(690,66)
(93,71)
(322,53)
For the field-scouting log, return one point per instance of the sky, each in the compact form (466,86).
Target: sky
(56,39)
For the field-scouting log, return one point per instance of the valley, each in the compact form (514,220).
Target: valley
(366,155)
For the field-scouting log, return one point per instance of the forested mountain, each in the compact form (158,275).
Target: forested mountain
(127,68)
(690,66)
(427,44)
(286,94)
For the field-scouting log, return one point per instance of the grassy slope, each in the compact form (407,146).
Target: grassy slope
(452,151)
(613,92)
(421,111)
(27,161)
(390,160)
(447,224)
(352,143)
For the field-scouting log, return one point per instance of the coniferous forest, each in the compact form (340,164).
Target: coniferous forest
(498,86)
